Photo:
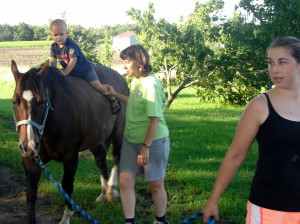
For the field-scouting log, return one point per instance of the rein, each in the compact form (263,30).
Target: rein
(35,124)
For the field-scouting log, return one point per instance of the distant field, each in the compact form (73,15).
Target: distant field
(25,44)
(26,53)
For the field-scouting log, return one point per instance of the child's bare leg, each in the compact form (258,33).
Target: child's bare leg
(97,85)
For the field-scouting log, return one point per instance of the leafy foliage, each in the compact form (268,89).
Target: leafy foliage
(6,32)
(106,51)
(85,38)
(223,58)
(23,32)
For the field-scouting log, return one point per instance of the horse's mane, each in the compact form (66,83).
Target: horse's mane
(31,81)
(56,82)
(53,81)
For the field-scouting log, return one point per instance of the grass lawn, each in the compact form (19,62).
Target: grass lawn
(200,134)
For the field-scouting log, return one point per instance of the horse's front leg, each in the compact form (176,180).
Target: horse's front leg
(70,168)
(33,173)
(100,158)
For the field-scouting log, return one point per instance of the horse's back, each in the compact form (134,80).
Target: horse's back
(109,76)
(94,113)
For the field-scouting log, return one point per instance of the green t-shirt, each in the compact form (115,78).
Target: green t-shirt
(146,99)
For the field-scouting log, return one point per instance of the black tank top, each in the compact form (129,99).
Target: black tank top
(276,183)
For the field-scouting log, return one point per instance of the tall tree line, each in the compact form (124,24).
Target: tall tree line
(223,58)
(26,32)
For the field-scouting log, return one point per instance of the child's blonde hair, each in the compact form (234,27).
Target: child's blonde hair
(58,22)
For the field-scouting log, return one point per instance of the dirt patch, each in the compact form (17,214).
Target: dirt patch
(13,207)
(23,56)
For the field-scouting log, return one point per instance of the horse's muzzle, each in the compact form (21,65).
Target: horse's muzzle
(29,149)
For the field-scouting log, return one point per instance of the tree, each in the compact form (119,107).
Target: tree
(246,38)
(40,32)
(106,51)
(23,32)
(86,40)
(275,17)
(223,58)
(174,47)
(6,32)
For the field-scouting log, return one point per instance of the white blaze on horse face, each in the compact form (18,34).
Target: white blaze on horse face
(27,95)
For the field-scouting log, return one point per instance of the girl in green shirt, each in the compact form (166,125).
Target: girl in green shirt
(146,146)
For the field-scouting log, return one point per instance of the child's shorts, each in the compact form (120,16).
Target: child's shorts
(259,215)
(91,76)
(158,158)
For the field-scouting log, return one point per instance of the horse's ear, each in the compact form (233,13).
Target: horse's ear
(44,69)
(15,71)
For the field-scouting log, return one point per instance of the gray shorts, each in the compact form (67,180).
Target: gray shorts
(91,76)
(158,158)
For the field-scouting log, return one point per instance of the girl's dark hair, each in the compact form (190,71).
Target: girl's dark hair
(291,43)
(139,54)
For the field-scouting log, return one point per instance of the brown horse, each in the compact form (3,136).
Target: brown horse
(59,116)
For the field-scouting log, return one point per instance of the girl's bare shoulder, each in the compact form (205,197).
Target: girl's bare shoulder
(258,108)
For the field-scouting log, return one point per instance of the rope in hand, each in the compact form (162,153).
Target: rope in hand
(211,220)
(38,160)
(67,197)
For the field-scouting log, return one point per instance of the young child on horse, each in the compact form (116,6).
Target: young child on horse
(74,61)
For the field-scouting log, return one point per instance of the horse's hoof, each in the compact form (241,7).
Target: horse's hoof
(113,196)
(101,198)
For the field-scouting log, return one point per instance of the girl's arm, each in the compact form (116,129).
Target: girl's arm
(253,116)
(111,91)
(143,157)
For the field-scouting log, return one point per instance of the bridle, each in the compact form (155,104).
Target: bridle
(35,124)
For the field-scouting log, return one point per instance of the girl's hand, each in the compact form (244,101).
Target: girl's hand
(143,157)
(210,209)
(110,90)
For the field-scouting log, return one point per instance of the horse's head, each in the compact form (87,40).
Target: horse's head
(31,105)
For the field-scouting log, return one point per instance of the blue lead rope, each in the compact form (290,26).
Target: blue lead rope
(38,160)
(211,220)
(67,197)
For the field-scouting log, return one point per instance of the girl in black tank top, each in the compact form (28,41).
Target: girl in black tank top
(276,184)
(275,189)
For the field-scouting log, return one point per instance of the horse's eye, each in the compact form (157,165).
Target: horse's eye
(15,101)
(41,102)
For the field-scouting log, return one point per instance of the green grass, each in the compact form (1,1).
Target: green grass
(200,135)
(6,92)
(22,44)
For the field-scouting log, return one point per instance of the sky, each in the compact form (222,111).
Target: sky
(94,13)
